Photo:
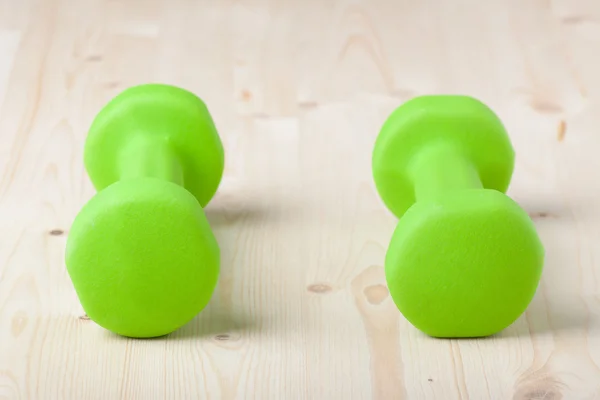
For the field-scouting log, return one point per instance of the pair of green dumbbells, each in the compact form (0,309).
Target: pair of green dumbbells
(464,261)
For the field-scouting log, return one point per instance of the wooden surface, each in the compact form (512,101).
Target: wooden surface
(299,90)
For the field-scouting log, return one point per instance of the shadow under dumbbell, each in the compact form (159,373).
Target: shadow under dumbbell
(551,313)
(224,319)
(234,218)
(221,218)
(560,305)
(213,322)
(219,321)
(565,314)
(225,212)
(558,314)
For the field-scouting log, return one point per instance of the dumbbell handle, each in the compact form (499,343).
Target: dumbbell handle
(441,168)
(150,156)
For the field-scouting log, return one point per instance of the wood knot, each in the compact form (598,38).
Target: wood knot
(19,322)
(57,232)
(562,130)
(539,386)
(376,294)
(93,58)
(319,288)
(430,380)
(246,95)
(574,19)
(545,106)
(541,215)
(222,337)
(111,84)
(308,104)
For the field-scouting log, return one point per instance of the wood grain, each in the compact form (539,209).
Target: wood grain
(299,90)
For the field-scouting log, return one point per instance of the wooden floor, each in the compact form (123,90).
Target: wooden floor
(299,90)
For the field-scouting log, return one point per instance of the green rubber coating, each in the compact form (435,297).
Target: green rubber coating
(161,113)
(459,121)
(142,257)
(465,260)
(141,254)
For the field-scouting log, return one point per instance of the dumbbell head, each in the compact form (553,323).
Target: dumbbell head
(426,121)
(141,254)
(465,260)
(170,114)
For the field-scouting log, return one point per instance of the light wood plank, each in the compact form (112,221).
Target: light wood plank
(298,90)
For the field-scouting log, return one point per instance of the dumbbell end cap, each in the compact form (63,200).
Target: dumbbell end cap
(142,258)
(168,114)
(462,121)
(465,265)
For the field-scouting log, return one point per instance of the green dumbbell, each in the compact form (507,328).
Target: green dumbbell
(465,260)
(141,254)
